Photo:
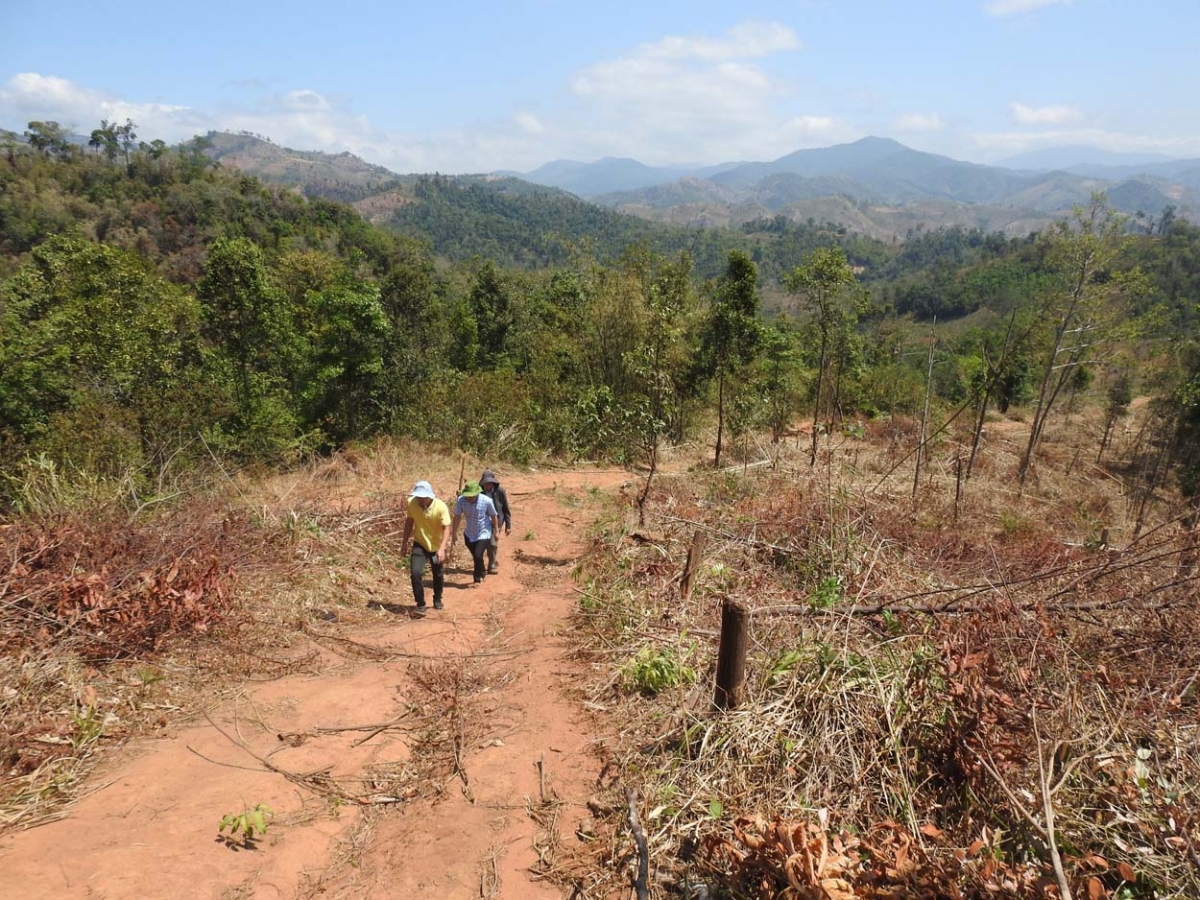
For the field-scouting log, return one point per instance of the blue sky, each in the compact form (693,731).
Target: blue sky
(474,86)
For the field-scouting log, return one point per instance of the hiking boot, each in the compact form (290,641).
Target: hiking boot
(437,604)
(493,569)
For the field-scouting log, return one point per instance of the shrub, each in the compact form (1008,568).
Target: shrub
(655,669)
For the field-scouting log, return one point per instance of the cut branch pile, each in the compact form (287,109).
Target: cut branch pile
(110,589)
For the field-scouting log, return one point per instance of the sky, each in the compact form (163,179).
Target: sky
(484,86)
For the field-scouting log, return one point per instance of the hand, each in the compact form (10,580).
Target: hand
(507,530)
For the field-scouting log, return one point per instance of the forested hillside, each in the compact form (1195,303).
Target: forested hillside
(203,375)
(178,311)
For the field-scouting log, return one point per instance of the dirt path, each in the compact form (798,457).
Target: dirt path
(148,828)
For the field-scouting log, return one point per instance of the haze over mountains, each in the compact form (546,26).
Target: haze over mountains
(877,186)
(880,172)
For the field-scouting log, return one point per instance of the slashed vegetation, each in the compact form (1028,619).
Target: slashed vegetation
(117,622)
(946,696)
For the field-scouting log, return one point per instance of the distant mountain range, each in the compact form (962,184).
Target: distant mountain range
(1076,155)
(611,174)
(875,185)
(886,184)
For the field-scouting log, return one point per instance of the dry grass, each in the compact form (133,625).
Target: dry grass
(963,689)
(109,629)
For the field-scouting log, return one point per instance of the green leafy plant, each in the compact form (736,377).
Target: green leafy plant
(148,676)
(654,669)
(827,595)
(88,723)
(251,823)
(786,662)
(891,622)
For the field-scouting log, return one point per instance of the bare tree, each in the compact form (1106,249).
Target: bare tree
(1087,312)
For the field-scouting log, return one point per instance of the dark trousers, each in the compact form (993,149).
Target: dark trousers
(419,556)
(477,549)
(493,545)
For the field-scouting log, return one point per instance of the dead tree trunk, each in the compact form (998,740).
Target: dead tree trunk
(731,657)
(694,555)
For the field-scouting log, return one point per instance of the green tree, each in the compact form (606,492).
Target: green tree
(126,137)
(491,307)
(89,332)
(659,363)
(613,324)
(1186,401)
(827,289)
(418,348)
(350,335)
(245,314)
(104,139)
(730,335)
(780,376)
(48,138)
(1118,397)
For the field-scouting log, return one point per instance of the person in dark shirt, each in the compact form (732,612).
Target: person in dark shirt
(491,486)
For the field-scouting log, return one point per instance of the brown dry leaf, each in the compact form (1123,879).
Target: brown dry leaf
(794,871)
(932,831)
(836,889)
(1125,870)
(1096,889)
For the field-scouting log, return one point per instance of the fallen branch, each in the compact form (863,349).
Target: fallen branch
(737,538)
(640,885)
(959,608)
(293,736)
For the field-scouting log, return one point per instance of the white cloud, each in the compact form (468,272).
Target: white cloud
(303,119)
(529,122)
(1016,7)
(1044,115)
(920,122)
(29,95)
(702,97)
(748,40)
(679,99)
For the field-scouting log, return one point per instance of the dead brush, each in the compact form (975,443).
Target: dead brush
(92,605)
(1018,705)
(453,723)
(149,610)
(96,598)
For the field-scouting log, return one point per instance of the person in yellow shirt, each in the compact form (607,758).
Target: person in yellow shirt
(428,525)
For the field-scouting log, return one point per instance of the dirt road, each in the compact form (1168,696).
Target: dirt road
(483,684)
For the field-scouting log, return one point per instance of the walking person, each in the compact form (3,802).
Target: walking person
(480,524)
(428,518)
(491,488)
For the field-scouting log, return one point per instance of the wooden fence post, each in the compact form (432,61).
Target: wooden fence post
(694,554)
(731,657)
(958,479)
